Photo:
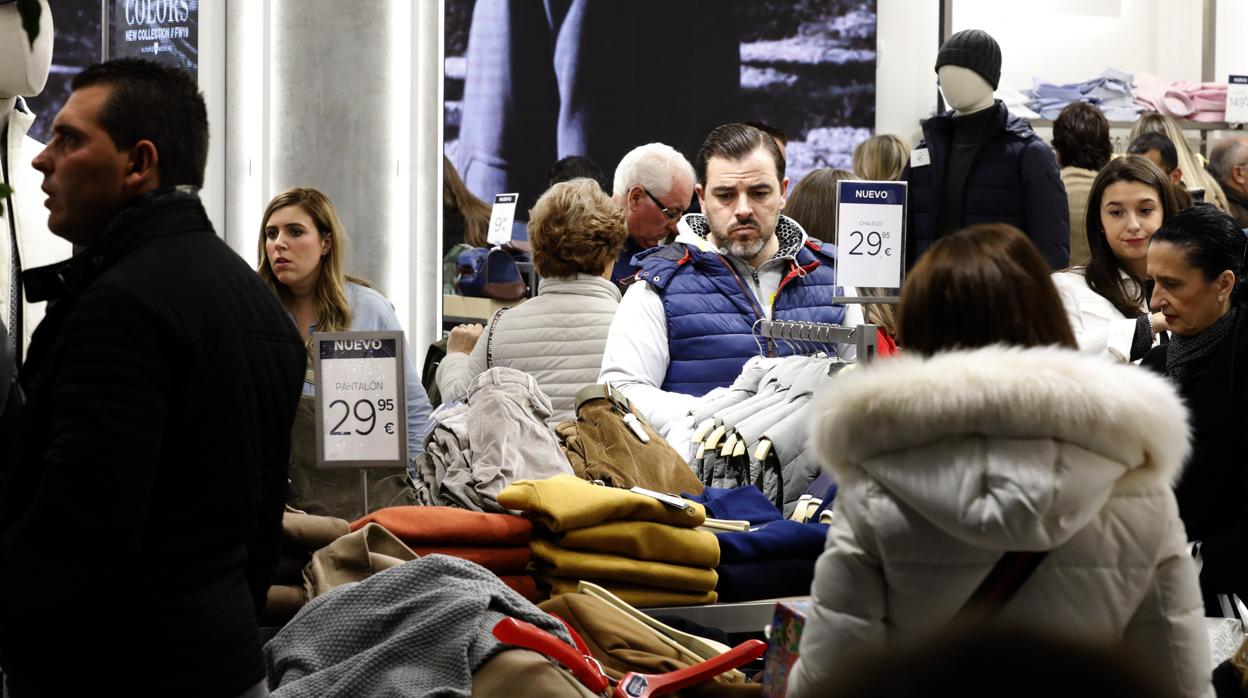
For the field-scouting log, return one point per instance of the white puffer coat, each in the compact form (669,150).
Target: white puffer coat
(948,462)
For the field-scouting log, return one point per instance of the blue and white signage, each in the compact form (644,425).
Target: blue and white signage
(870,225)
(501,217)
(1237,99)
(361,412)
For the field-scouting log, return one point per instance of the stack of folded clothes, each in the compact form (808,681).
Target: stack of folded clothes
(497,542)
(773,559)
(302,535)
(770,561)
(643,550)
(1110,91)
(1197,101)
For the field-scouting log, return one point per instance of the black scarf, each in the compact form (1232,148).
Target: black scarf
(1183,351)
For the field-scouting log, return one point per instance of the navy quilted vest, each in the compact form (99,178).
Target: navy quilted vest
(711,311)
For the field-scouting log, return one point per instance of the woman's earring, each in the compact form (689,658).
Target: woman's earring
(1220,298)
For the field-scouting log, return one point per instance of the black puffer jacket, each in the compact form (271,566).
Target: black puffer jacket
(141,517)
(1214,485)
(10,398)
(1015,180)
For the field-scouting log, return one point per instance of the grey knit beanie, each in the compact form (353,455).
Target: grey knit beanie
(973,49)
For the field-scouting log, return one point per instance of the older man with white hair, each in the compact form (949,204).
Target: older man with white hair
(1228,162)
(653,185)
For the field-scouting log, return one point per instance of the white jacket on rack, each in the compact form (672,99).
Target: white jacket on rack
(946,463)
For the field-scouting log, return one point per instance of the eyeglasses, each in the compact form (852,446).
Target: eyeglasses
(672,214)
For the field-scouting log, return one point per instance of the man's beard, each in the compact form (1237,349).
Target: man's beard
(743,249)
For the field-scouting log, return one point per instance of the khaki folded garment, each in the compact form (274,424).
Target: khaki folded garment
(564,502)
(634,594)
(307,533)
(578,564)
(354,558)
(642,540)
(448,526)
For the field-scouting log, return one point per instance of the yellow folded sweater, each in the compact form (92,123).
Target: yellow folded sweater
(579,564)
(643,540)
(632,594)
(565,502)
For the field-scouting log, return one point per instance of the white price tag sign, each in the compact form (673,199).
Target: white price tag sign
(1237,99)
(361,412)
(501,216)
(870,240)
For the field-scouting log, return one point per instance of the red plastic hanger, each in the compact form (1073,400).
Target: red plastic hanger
(589,672)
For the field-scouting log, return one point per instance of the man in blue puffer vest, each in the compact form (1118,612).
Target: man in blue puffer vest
(690,327)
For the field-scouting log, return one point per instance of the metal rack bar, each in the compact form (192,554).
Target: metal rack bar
(863,337)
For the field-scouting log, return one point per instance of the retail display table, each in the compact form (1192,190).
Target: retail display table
(741,617)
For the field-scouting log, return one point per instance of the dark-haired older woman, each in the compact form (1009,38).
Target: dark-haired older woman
(557,337)
(990,435)
(1196,262)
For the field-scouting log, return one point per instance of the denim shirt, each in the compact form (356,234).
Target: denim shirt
(371,312)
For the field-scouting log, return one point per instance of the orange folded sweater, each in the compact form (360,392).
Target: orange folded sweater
(450,527)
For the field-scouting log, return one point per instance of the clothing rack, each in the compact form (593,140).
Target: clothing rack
(864,337)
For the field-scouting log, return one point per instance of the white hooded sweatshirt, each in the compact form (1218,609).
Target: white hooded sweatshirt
(945,463)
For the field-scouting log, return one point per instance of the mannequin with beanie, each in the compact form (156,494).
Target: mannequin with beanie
(979,164)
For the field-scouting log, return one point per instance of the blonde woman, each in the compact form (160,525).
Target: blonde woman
(1192,165)
(301,250)
(558,337)
(881,158)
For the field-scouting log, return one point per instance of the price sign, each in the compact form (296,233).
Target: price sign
(1237,99)
(870,218)
(501,216)
(361,409)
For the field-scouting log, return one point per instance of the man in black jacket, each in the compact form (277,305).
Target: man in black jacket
(140,518)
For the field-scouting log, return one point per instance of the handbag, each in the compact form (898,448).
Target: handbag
(1227,633)
(490,273)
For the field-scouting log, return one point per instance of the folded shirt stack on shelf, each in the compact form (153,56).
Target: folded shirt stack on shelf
(646,551)
(302,535)
(498,542)
(1196,101)
(1110,91)
(773,559)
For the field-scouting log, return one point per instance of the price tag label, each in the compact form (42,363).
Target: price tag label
(1237,99)
(870,243)
(361,409)
(501,216)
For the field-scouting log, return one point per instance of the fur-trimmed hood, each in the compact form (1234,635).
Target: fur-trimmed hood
(1002,447)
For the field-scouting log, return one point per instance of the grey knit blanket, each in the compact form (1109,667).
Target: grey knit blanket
(419,629)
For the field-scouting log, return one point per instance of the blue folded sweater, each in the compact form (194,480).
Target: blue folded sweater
(773,541)
(764,579)
(746,503)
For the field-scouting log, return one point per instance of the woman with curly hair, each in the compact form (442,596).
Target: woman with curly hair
(557,337)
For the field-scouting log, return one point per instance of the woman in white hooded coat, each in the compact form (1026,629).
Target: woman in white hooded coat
(947,460)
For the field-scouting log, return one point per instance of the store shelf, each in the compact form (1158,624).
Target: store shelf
(1183,124)
(743,617)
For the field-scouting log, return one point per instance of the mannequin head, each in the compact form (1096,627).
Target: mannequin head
(965,90)
(23,69)
(969,66)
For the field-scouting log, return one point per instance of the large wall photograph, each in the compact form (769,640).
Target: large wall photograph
(530,81)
